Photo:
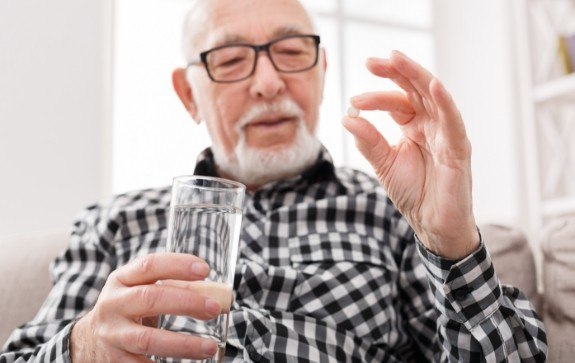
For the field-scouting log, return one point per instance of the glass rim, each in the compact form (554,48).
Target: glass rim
(228,185)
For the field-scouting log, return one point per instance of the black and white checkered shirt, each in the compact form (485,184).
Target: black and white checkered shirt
(328,271)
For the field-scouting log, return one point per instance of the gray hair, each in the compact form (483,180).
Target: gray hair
(188,37)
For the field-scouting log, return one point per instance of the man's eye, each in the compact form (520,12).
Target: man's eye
(230,62)
(290,51)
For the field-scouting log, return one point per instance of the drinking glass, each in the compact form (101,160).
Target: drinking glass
(205,220)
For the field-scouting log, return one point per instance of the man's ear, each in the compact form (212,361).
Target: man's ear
(323,64)
(185,93)
(323,59)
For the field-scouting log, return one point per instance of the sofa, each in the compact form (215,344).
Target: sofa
(26,259)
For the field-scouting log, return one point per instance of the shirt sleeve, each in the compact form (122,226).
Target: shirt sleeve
(479,319)
(79,274)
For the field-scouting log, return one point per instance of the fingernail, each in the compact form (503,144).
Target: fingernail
(200,268)
(439,83)
(374,59)
(356,100)
(212,307)
(209,347)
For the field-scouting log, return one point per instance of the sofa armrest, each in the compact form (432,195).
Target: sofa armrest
(25,275)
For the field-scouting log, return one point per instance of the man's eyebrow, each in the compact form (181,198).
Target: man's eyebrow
(230,39)
(287,30)
(238,39)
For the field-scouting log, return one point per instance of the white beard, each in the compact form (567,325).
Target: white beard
(253,166)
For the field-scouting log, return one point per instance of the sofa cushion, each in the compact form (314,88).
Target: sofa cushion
(25,275)
(513,259)
(558,245)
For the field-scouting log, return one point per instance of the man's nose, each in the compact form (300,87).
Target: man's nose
(267,82)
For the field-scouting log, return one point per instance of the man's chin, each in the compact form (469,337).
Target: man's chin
(271,148)
(259,166)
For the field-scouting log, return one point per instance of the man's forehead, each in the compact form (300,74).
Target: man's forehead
(233,21)
(227,37)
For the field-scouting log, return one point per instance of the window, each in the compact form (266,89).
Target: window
(154,138)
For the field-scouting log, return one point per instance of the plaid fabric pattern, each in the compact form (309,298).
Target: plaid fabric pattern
(328,271)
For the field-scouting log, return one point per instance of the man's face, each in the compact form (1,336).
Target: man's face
(222,105)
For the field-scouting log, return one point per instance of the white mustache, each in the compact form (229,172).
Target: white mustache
(286,107)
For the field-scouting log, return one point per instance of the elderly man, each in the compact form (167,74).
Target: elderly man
(329,269)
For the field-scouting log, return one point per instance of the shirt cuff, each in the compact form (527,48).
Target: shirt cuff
(466,291)
(57,349)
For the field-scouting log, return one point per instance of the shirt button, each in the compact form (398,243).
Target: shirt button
(254,354)
(461,293)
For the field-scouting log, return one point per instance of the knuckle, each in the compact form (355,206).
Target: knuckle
(149,296)
(118,278)
(98,314)
(140,340)
(146,263)
(194,303)
(108,300)
(113,278)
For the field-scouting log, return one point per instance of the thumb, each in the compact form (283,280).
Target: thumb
(369,141)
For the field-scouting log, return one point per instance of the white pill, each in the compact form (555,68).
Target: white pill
(352,112)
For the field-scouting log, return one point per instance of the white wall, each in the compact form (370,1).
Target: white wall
(53,105)
(476,61)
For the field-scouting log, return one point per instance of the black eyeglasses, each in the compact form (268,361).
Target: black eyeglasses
(236,62)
